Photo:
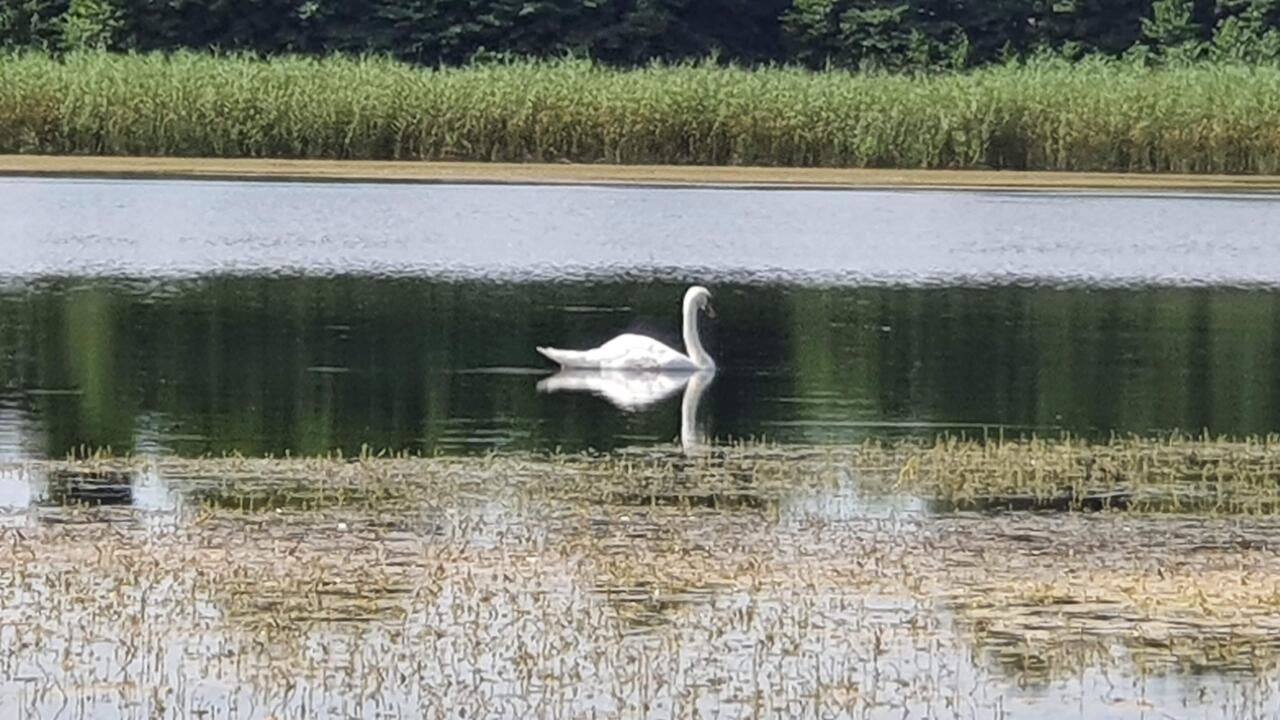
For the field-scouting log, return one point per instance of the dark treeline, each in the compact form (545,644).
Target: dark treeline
(844,33)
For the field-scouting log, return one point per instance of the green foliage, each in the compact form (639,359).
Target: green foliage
(1172,29)
(31,23)
(1090,26)
(265,26)
(453,31)
(874,34)
(808,31)
(1247,32)
(1042,114)
(425,31)
(90,25)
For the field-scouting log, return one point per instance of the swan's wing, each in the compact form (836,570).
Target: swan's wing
(630,391)
(629,352)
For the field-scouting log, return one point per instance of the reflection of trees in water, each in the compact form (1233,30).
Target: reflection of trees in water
(39,492)
(1086,360)
(1065,501)
(90,487)
(32,487)
(307,365)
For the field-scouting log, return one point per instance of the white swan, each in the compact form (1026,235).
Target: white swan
(638,352)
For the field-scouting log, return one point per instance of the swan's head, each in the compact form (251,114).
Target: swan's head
(700,298)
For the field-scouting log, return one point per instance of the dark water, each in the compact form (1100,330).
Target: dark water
(210,317)
(274,365)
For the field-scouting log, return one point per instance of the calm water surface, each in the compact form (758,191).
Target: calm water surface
(196,317)
(188,318)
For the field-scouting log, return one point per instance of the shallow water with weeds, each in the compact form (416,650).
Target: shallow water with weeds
(739,581)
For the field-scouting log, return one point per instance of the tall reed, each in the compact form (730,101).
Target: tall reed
(1094,115)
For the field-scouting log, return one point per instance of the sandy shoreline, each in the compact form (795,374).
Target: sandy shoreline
(468,172)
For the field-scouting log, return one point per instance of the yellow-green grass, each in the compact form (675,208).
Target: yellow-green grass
(1093,116)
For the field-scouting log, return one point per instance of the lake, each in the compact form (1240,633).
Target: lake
(269,318)
(530,552)
(213,317)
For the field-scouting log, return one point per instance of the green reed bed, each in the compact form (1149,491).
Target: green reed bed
(1095,115)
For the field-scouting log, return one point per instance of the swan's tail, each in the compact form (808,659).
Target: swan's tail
(566,358)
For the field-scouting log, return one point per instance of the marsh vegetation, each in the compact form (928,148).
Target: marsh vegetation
(739,580)
(1044,115)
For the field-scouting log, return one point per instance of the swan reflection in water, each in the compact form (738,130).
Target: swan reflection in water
(633,391)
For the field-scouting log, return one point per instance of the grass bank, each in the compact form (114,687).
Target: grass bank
(1094,116)
(607,174)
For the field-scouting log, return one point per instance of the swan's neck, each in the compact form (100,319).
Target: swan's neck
(693,343)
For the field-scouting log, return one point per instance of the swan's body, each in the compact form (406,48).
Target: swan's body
(639,352)
(625,352)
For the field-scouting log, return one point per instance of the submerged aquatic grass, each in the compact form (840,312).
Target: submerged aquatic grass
(1093,115)
(736,581)
(1176,473)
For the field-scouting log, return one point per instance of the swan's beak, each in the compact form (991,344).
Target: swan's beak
(711,311)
